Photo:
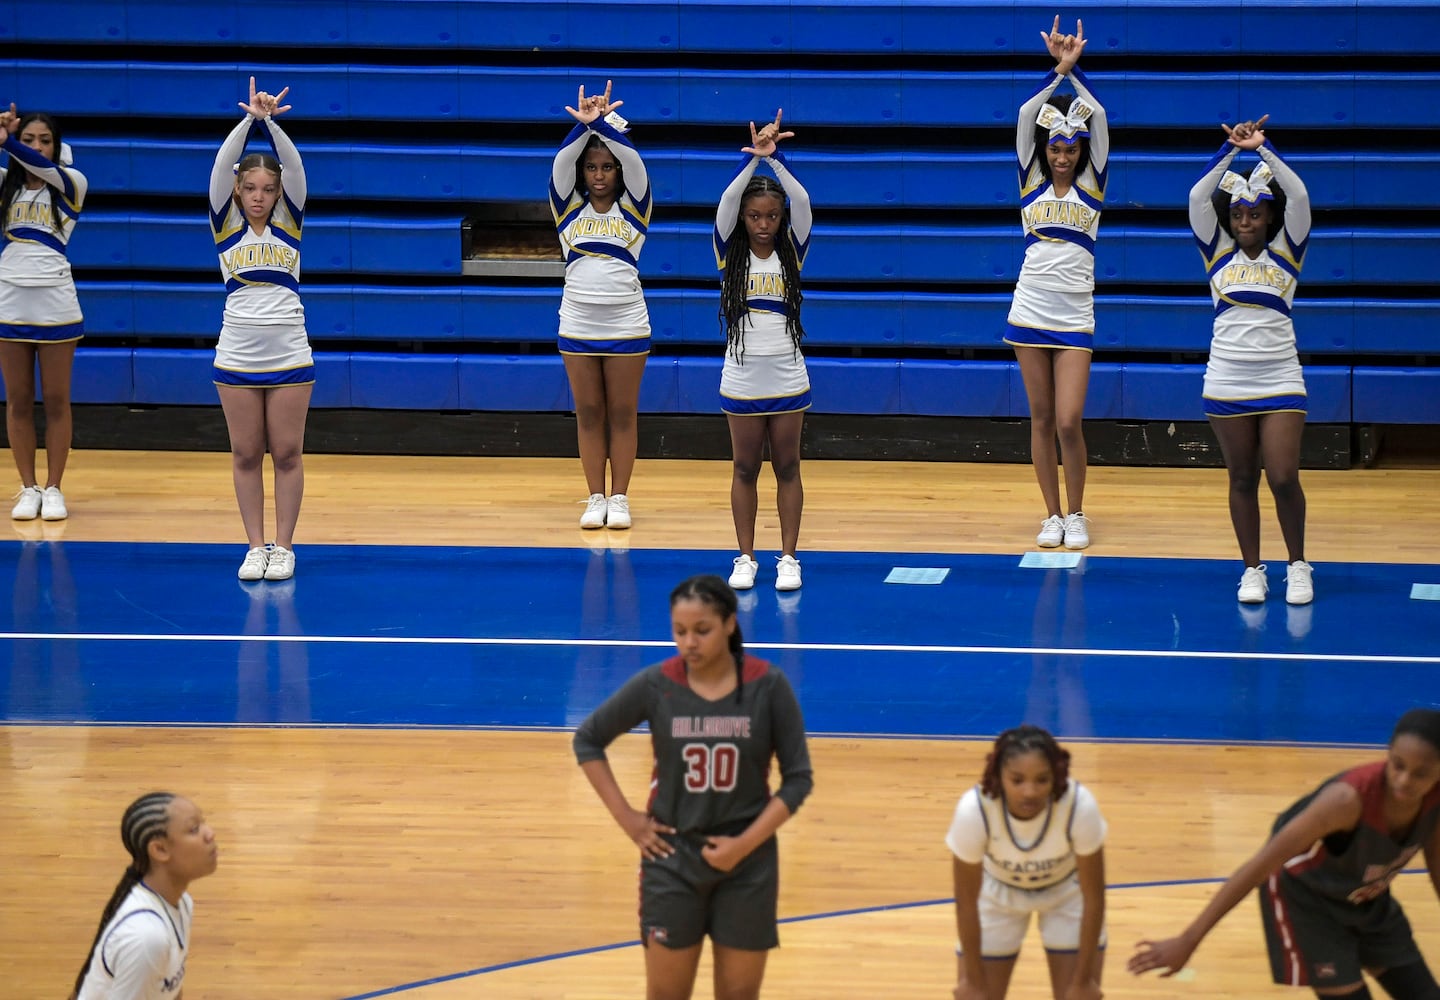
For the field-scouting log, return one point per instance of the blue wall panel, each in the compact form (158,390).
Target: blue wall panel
(854,385)
(385,381)
(697,385)
(1396,395)
(954,388)
(332,381)
(514,383)
(102,375)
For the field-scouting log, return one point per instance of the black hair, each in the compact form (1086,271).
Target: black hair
(1025,739)
(253,161)
(1421,722)
(146,819)
(735,281)
(717,594)
(17,175)
(1221,201)
(1042,139)
(598,143)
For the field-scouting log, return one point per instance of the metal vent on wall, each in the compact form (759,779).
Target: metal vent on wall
(510,240)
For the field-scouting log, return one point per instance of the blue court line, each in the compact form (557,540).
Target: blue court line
(841,647)
(804,918)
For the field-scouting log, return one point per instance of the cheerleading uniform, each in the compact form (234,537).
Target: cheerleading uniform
(38,304)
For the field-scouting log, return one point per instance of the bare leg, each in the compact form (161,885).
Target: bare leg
(1037,371)
(738,973)
(670,973)
(1072,382)
(587,384)
(285,410)
(1280,449)
(997,975)
(784,434)
(245,418)
(1239,439)
(17,363)
(1062,971)
(622,401)
(747,446)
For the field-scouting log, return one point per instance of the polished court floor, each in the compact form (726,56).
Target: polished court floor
(382,742)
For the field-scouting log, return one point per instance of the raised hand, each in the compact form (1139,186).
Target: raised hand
(1065,49)
(9,122)
(764,141)
(262,104)
(591,108)
(1247,135)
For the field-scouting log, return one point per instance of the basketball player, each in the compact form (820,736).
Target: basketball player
(1028,840)
(600,197)
(264,372)
(1324,877)
(709,860)
(140,947)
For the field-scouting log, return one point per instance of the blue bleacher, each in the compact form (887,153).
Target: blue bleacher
(909,311)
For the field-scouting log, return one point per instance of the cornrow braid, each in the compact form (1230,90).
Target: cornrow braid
(1025,739)
(715,592)
(735,282)
(16,176)
(145,819)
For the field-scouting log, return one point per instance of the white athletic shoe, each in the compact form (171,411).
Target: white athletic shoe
(787,573)
(1077,531)
(253,568)
(742,577)
(52,505)
(281,565)
(617,512)
(595,510)
(27,504)
(1298,587)
(1253,585)
(1052,532)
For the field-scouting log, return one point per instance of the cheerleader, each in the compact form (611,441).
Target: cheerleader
(1252,234)
(1052,317)
(764,386)
(264,372)
(40,321)
(600,197)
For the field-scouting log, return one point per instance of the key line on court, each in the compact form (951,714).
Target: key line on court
(843,647)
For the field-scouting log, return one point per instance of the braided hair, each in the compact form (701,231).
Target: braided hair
(1042,139)
(16,176)
(735,281)
(716,594)
(147,818)
(1020,740)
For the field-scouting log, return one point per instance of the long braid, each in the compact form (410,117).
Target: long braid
(735,281)
(1025,739)
(145,820)
(16,176)
(709,589)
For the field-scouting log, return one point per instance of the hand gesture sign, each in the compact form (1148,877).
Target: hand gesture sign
(1247,135)
(763,142)
(591,108)
(1065,49)
(263,105)
(9,122)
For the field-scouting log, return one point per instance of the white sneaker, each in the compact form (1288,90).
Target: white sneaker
(253,568)
(1253,585)
(742,577)
(52,505)
(27,504)
(281,565)
(1052,532)
(595,510)
(787,573)
(1077,531)
(617,512)
(1298,587)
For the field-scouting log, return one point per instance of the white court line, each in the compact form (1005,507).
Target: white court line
(395,640)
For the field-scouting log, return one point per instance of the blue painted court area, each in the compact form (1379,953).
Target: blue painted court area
(1116,648)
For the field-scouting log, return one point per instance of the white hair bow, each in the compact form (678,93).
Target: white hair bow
(1248,191)
(1065,125)
(67,155)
